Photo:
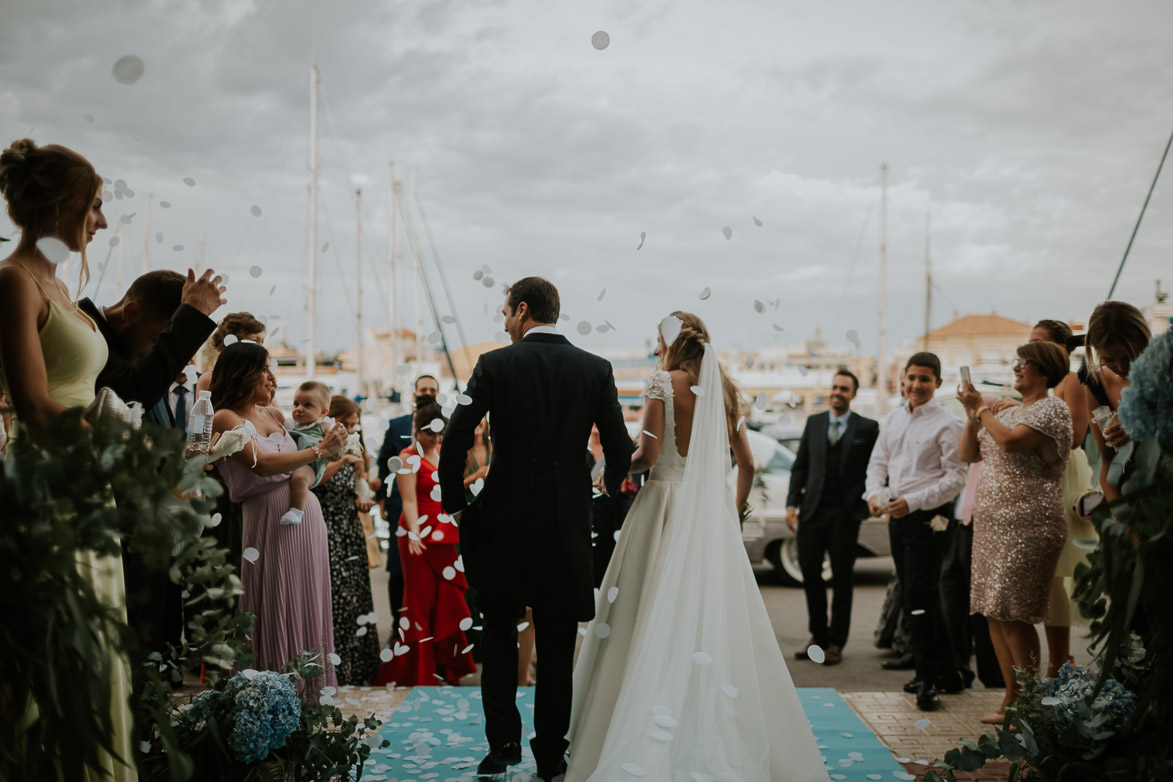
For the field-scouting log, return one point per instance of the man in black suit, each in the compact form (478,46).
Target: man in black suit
(399,436)
(526,538)
(824,506)
(152,332)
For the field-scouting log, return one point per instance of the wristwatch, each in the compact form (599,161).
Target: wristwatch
(977,414)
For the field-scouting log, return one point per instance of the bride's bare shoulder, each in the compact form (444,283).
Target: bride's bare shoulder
(682,382)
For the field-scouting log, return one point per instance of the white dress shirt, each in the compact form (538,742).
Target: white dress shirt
(917,453)
(540,330)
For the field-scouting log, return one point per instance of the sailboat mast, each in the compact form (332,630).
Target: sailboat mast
(393,276)
(358,292)
(419,273)
(928,281)
(311,252)
(147,236)
(882,315)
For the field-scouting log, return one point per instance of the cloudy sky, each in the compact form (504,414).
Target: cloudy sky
(1030,132)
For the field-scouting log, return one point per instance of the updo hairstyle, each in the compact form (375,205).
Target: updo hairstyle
(687,352)
(49,191)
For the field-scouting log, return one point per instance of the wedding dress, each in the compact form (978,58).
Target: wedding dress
(680,676)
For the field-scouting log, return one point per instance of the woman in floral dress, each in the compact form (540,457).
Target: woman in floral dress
(356,639)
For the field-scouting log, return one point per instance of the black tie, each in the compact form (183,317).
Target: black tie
(181,409)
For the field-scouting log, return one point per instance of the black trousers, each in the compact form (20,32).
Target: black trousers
(918,553)
(829,531)
(969,634)
(555,632)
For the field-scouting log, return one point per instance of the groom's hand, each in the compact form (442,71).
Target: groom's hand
(600,485)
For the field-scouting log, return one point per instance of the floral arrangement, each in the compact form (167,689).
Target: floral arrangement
(254,726)
(1146,406)
(1099,715)
(261,707)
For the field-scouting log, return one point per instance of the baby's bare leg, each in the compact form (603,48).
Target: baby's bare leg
(299,488)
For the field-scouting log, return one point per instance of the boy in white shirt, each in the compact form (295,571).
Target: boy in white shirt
(916,456)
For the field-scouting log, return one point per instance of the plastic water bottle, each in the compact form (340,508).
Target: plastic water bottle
(199,426)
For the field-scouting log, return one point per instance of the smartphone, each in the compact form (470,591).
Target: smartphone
(965,381)
(1088,502)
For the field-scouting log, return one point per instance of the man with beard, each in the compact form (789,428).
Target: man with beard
(398,437)
(825,511)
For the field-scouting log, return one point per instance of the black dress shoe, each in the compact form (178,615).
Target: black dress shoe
(912,685)
(951,684)
(500,759)
(906,662)
(926,697)
(550,774)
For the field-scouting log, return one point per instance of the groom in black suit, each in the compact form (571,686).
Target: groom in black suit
(526,538)
(824,502)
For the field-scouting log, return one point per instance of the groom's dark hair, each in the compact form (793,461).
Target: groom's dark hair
(539,294)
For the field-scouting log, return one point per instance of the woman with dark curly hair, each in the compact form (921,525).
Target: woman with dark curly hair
(285,568)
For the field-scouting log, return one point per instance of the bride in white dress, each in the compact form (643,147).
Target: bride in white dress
(680,676)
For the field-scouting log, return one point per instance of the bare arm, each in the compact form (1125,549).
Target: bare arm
(265,464)
(967,449)
(745,466)
(1071,392)
(333,467)
(21,308)
(648,452)
(1020,439)
(411,512)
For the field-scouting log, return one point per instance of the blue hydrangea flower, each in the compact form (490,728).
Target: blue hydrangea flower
(1146,406)
(1112,707)
(266,710)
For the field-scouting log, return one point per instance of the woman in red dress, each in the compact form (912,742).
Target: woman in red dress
(428,646)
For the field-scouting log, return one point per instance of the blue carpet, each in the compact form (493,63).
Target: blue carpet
(437,735)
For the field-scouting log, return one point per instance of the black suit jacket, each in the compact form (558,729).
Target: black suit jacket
(807,476)
(526,538)
(148,379)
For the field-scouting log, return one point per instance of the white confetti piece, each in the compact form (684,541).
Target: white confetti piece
(702,658)
(758,306)
(467,649)
(760,401)
(466,623)
(816,654)
(251,554)
(649,434)
(705,294)
(190,182)
(698,390)
(921,724)
(404,623)
(602,630)
(670,329)
(730,690)
(449,573)
(361,632)
(757,222)
(634,770)
(1050,700)
(601,40)
(334,659)
(661,736)
(463,399)
(255,271)
(584,327)
(215,520)
(643,235)
(740,421)
(177,248)
(145,747)
(612,593)
(256,210)
(664,721)
(128,69)
(918,612)
(728,232)
(54,250)
(88,117)
(165,204)
(487,282)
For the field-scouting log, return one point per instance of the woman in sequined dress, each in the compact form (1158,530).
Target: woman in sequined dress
(1020,524)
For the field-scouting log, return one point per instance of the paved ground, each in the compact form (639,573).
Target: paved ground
(874,693)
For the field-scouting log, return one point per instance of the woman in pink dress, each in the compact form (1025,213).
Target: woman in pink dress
(287,583)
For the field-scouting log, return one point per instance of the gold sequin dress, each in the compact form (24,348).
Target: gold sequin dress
(1019,521)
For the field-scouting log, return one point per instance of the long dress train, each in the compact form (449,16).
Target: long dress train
(680,676)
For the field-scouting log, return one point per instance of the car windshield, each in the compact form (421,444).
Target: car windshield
(780,461)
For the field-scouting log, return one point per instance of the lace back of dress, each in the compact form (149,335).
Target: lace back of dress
(660,387)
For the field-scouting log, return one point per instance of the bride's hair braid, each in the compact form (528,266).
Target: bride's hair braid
(687,352)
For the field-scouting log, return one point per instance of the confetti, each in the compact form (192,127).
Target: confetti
(230,339)
(478,274)
(612,593)
(758,306)
(670,329)
(601,40)
(816,654)
(649,434)
(215,520)
(918,612)
(662,736)
(189,181)
(53,249)
(159,237)
(921,724)
(643,235)
(466,623)
(251,554)
(361,632)
(1050,700)
(730,690)
(757,222)
(463,399)
(487,282)
(705,294)
(449,573)
(664,721)
(325,247)
(256,210)
(584,328)
(634,770)
(88,117)
(702,658)
(602,630)
(178,248)
(777,327)
(255,271)
(728,232)
(165,204)
(698,390)
(334,659)
(760,401)
(128,69)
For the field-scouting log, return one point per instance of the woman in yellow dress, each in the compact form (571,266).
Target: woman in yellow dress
(51,352)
